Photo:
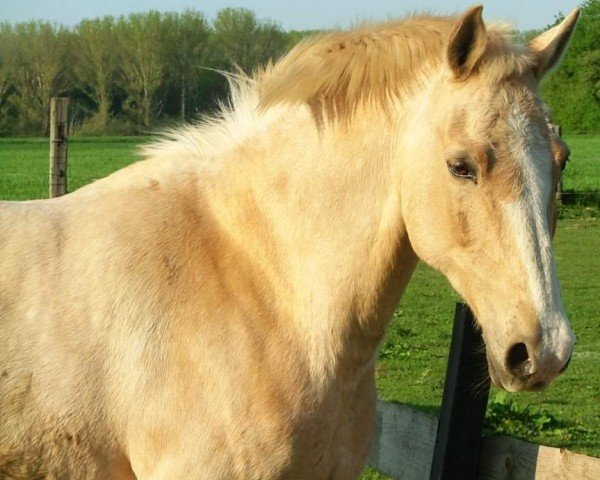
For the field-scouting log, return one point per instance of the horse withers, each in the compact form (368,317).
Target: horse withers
(221,302)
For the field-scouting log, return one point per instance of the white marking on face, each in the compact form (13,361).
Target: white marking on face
(528,217)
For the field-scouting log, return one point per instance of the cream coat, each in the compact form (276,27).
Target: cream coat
(213,311)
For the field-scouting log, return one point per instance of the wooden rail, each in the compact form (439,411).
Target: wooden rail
(405,440)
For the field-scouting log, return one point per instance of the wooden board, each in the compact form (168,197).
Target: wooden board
(506,458)
(405,438)
(404,442)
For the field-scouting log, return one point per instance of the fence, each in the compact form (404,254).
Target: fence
(59,119)
(404,445)
(411,445)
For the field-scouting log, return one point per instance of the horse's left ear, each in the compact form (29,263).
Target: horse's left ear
(467,43)
(549,47)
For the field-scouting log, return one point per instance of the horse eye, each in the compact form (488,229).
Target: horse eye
(460,168)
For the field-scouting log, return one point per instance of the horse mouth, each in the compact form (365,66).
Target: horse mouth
(514,383)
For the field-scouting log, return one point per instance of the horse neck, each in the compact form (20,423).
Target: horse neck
(319,211)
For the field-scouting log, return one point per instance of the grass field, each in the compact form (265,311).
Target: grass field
(24,163)
(583,171)
(413,355)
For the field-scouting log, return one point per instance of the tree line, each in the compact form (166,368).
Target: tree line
(133,74)
(129,74)
(573,91)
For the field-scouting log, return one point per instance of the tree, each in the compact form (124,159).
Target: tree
(38,65)
(96,61)
(241,40)
(6,74)
(573,91)
(293,37)
(127,74)
(141,40)
(186,37)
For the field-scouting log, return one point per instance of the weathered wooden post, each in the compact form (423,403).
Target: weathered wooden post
(459,435)
(59,118)
(557,131)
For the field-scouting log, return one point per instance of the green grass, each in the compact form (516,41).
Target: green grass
(413,355)
(583,171)
(581,179)
(24,163)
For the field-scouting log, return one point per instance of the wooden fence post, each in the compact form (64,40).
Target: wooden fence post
(459,435)
(59,118)
(557,131)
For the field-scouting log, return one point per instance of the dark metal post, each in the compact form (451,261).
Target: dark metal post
(459,434)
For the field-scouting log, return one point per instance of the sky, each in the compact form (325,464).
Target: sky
(296,15)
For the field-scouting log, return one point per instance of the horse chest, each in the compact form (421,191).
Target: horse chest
(260,435)
(304,430)
(329,442)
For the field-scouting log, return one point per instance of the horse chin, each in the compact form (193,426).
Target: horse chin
(510,383)
(518,385)
(502,381)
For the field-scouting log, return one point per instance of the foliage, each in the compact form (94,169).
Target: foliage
(186,42)
(34,62)
(128,74)
(242,41)
(6,73)
(573,91)
(141,37)
(95,69)
(506,417)
(132,73)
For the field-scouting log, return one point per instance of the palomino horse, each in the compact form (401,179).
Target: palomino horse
(213,312)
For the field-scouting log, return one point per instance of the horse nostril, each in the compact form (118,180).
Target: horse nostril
(518,361)
(566,364)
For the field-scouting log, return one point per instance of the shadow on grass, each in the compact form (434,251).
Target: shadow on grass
(581,199)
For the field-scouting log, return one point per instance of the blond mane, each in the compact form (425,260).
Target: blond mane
(335,72)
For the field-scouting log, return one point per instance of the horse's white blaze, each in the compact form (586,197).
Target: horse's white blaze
(528,217)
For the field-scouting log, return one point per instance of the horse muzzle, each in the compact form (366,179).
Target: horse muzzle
(531,367)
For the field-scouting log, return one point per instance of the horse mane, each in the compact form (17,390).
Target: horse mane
(335,72)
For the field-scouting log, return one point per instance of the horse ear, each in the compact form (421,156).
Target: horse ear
(549,47)
(467,43)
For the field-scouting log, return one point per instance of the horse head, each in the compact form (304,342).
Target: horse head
(480,174)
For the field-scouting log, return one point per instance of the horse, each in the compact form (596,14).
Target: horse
(213,311)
